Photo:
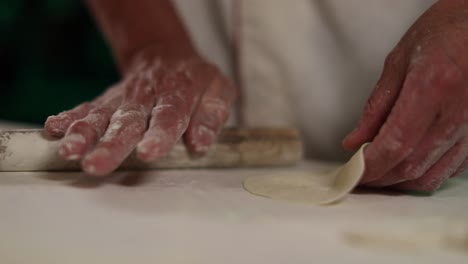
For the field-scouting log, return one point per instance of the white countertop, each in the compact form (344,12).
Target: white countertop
(205,216)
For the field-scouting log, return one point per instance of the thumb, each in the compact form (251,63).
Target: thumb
(381,101)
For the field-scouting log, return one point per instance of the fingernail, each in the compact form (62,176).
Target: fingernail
(98,163)
(73,147)
(351,134)
(436,184)
(55,126)
(203,139)
(150,150)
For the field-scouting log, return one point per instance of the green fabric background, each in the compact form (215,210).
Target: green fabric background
(52,57)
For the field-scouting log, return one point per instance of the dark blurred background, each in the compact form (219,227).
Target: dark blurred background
(52,57)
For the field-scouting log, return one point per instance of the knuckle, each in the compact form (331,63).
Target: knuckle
(410,171)
(165,114)
(164,109)
(211,121)
(172,106)
(130,113)
(176,81)
(136,127)
(441,76)
(177,99)
(78,125)
(217,108)
(103,110)
(140,92)
(61,117)
(170,116)
(371,108)
(181,124)
(227,90)
(395,146)
(450,127)
(449,74)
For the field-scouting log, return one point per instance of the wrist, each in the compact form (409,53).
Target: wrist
(459,5)
(133,26)
(145,55)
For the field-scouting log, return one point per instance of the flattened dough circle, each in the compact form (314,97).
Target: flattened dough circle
(308,186)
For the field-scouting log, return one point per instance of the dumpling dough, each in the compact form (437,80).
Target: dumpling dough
(309,186)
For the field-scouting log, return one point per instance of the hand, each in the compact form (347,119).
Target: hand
(159,99)
(417,116)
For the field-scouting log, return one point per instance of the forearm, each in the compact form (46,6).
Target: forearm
(453,6)
(461,4)
(131,26)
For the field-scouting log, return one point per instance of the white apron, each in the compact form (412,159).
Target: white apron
(305,63)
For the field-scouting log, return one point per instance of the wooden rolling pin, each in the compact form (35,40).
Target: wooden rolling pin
(33,150)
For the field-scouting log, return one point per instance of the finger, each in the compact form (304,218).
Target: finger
(440,172)
(125,129)
(415,110)
(170,117)
(57,125)
(380,102)
(442,136)
(83,134)
(210,116)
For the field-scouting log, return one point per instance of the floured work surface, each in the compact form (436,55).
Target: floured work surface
(205,216)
